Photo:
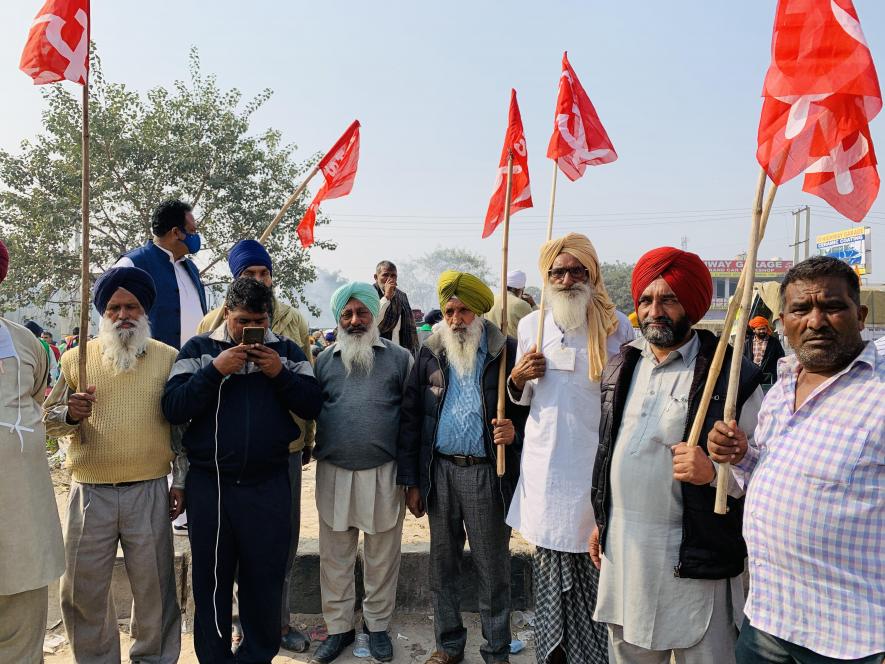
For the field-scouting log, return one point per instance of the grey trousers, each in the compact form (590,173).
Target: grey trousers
(469,499)
(295,471)
(137,517)
(23,625)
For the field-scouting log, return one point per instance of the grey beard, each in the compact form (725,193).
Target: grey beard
(461,346)
(121,348)
(665,337)
(569,305)
(357,352)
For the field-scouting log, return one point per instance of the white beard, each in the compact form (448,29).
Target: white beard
(357,352)
(121,347)
(461,346)
(569,306)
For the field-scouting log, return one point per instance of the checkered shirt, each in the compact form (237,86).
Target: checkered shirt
(814,518)
(759,346)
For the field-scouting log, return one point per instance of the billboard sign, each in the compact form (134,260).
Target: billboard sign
(854,246)
(772,269)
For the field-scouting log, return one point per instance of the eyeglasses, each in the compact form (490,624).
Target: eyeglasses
(577,273)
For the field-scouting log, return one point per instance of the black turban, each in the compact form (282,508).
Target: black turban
(133,279)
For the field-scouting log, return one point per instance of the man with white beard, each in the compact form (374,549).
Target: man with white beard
(448,437)
(363,378)
(119,475)
(551,507)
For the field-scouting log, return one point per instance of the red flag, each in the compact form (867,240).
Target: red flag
(820,93)
(339,170)
(579,139)
(58,43)
(520,191)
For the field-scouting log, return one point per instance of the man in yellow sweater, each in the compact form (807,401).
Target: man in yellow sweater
(249,258)
(119,468)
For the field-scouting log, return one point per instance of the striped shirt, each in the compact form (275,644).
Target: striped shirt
(814,519)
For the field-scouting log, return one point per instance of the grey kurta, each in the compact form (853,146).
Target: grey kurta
(637,588)
(31,547)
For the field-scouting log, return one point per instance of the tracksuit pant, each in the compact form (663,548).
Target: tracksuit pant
(253,536)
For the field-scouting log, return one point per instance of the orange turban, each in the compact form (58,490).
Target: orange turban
(684,272)
(759,321)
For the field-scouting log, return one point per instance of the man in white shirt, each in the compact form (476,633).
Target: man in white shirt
(551,507)
(181,298)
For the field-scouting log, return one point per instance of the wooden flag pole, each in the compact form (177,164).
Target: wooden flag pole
(540,341)
(718,358)
(502,369)
(737,353)
(294,197)
(82,379)
(279,216)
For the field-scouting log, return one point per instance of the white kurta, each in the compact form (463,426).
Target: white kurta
(551,507)
(637,588)
(31,547)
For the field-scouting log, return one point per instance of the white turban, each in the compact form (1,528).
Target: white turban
(516,279)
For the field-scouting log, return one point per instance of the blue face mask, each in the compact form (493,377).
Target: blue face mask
(192,242)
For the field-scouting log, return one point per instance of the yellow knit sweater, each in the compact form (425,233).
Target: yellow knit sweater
(127,437)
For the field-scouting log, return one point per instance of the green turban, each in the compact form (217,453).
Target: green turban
(362,291)
(469,289)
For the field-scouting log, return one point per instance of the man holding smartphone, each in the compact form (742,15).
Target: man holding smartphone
(236,388)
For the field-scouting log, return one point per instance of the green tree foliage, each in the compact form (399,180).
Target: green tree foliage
(190,141)
(617,282)
(418,277)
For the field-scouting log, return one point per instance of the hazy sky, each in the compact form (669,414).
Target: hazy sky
(676,84)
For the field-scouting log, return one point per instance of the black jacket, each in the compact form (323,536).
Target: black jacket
(773,352)
(247,412)
(422,404)
(712,545)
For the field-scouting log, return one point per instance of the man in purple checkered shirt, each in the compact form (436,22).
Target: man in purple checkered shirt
(814,520)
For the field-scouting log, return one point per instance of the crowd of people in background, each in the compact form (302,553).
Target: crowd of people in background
(206,420)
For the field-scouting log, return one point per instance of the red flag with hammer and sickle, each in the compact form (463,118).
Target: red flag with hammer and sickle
(820,94)
(339,170)
(579,139)
(520,191)
(58,43)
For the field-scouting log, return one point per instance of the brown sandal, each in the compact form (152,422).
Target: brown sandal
(439,657)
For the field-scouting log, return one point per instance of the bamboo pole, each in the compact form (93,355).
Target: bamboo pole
(279,216)
(540,341)
(716,365)
(502,369)
(737,354)
(82,378)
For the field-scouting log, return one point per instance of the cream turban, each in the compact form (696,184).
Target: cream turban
(601,317)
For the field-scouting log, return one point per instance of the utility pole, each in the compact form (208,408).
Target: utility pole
(796,242)
(807,230)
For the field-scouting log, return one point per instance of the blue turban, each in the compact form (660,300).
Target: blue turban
(133,279)
(247,253)
(362,291)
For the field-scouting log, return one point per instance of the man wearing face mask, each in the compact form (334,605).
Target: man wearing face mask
(181,298)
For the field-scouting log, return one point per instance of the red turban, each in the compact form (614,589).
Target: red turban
(684,272)
(4,261)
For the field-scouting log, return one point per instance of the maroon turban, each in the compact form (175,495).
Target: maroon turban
(685,273)
(4,261)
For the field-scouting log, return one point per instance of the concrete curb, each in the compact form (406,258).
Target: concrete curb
(412,596)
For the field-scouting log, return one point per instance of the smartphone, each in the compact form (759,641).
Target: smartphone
(253,335)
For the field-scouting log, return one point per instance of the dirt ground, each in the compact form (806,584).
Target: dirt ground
(412,637)
(412,634)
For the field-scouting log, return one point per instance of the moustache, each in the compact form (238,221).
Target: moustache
(357,329)
(665,320)
(818,335)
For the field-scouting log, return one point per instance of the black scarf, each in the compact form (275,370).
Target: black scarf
(399,312)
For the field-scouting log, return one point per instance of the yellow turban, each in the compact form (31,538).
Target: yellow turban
(469,289)
(601,317)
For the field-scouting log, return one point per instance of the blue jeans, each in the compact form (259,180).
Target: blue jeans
(757,647)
